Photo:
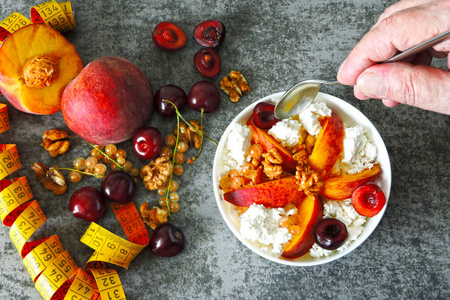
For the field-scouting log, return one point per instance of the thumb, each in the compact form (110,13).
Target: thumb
(421,86)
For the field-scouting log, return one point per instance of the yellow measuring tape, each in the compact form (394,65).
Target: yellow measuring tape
(50,266)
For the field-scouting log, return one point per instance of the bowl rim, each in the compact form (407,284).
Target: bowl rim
(351,116)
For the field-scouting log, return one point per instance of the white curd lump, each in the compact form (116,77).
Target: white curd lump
(343,211)
(236,145)
(287,132)
(260,224)
(359,153)
(310,117)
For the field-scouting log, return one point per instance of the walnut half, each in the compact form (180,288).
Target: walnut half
(53,141)
(52,178)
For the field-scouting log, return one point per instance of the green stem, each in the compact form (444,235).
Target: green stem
(86,173)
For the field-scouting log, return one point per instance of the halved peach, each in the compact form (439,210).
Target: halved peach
(329,144)
(274,193)
(342,187)
(36,64)
(262,137)
(309,214)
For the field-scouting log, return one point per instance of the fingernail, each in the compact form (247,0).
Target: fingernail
(342,66)
(372,85)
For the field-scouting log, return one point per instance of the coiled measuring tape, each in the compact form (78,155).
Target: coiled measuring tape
(50,266)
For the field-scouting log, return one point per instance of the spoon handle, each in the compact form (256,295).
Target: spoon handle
(419,48)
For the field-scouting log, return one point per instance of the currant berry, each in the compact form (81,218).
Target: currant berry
(99,169)
(161,191)
(110,149)
(120,152)
(120,160)
(174,197)
(128,165)
(170,140)
(134,172)
(180,158)
(162,201)
(182,146)
(79,163)
(178,170)
(174,185)
(75,176)
(96,153)
(174,206)
(166,152)
(91,162)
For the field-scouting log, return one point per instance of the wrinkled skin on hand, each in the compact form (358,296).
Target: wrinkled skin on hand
(413,82)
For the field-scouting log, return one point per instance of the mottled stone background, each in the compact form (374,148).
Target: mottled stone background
(274,44)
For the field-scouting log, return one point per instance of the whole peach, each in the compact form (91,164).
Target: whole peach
(108,101)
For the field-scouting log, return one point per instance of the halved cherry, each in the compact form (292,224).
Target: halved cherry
(209,33)
(263,115)
(207,62)
(368,199)
(169,36)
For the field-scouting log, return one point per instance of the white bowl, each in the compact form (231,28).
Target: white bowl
(351,116)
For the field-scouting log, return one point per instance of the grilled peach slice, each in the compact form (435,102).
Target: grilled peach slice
(274,193)
(329,144)
(308,215)
(342,187)
(262,137)
(37,63)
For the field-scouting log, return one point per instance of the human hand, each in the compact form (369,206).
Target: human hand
(402,26)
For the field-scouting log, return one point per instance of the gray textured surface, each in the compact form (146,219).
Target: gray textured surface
(274,44)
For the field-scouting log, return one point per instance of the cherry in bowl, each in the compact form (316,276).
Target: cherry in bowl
(263,115)
(368,199)
(168,36)
(147,142)
(330,233)
(87,203)
(172,93)
(204,95)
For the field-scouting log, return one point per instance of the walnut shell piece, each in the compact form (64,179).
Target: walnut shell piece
(52,178)
(53,141)
(235,86)
(153,216)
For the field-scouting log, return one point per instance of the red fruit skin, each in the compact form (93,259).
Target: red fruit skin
(147,142)
(210,33)
(329,144)
(168,36)
(310,210)
(274,193)
(87,204)
(368,199)
(207,62)
(204,95)
(108,101)
(263,115)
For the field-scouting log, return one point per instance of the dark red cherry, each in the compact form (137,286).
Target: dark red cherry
(209,33)
(167,240)
(172,93)
(169,36)
(147,142)
(118,186)
(368,199)
(263,115)
(207,62)
(330,233)
(87,204)
(204,95)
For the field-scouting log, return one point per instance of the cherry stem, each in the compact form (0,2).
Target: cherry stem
(202,134)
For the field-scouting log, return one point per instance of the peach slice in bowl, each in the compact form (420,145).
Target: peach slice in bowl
(309,213)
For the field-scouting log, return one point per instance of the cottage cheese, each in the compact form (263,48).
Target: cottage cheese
(237,143)
(310,117)
(343,211)
(359,153)
(288,132)
(260,224)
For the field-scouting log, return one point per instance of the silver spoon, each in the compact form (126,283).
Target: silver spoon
(300,96)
